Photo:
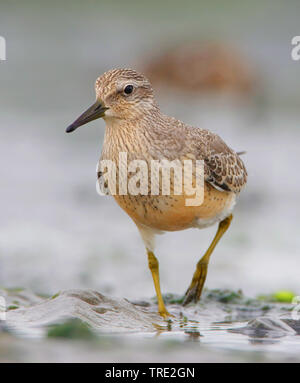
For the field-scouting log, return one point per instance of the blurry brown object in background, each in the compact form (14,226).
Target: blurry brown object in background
(201,67)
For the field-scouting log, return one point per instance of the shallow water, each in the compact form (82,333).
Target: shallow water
(225,326)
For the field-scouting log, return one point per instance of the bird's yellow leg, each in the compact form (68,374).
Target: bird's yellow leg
(154,268)
(194,291)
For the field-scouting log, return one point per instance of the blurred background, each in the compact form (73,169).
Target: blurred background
(223,66)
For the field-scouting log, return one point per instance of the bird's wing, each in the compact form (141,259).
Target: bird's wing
(223,167)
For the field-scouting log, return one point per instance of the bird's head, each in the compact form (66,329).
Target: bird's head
(120,94)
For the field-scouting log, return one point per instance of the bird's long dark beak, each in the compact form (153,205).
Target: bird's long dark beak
(97,110)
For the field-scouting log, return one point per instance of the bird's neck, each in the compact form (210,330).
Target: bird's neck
(133,136)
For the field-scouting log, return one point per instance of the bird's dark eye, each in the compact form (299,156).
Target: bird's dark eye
(128,89)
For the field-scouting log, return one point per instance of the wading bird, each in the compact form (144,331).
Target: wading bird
(136,125)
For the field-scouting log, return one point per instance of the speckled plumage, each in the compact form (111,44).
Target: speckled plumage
(164,136)
(144,132)
(135,125)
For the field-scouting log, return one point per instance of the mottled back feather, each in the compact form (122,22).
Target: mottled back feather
(223,167)
(136,125)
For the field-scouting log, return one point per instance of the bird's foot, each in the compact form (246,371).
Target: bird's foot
(165,314)
(194,291)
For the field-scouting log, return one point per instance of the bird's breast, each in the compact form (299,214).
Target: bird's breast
(170,213)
